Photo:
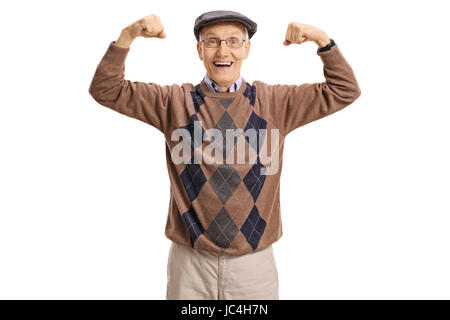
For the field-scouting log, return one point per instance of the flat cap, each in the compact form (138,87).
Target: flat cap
(223,15)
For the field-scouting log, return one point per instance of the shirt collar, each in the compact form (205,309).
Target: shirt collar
(214,87)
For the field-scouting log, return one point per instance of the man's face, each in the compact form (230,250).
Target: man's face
(223,30)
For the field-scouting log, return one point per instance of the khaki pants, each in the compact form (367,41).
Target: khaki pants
(202,275)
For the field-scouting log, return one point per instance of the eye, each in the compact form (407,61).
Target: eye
(211,40)
(234,40)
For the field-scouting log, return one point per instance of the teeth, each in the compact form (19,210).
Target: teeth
(222,63)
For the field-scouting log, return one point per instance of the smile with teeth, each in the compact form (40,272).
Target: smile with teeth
(223,65)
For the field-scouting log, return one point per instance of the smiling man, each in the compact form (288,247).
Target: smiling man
(224,216)
(223,61)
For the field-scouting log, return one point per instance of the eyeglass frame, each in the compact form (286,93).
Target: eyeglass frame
(220,42)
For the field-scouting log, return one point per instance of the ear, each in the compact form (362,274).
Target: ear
(199,50)
(247,49)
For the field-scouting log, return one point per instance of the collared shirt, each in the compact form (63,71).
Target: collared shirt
(214,87)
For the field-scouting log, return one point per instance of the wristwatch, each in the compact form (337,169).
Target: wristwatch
(327,47)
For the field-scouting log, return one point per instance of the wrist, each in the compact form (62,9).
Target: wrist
(323,41)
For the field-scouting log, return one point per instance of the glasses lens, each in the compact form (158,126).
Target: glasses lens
(212,42)
(232,42)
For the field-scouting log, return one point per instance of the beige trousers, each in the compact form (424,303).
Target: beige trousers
(202,275)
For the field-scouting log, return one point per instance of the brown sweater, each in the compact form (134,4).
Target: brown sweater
(217,203)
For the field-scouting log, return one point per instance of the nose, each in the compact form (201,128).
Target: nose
(223,47)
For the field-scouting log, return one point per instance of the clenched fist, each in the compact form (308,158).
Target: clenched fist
(147,27)
(299,33)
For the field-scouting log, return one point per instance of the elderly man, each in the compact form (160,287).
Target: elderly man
(224,215)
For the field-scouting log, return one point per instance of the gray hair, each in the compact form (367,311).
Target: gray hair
(246,35)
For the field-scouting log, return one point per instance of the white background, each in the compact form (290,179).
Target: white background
(84,191)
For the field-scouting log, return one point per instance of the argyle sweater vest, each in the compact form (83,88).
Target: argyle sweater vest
(217,202)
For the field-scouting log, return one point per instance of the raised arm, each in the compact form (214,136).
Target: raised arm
(293,106)
(147,102)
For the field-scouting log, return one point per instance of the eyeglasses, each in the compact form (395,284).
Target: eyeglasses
(232,42)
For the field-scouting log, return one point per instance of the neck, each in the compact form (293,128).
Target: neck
(224,86)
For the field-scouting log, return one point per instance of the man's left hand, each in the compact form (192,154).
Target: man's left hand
(299,33)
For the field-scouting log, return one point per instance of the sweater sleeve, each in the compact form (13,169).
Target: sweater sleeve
(148,102)
(292,106)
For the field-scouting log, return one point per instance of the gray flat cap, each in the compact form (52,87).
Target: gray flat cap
(223,15)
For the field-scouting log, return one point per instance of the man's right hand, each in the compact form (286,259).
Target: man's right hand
(147,27)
